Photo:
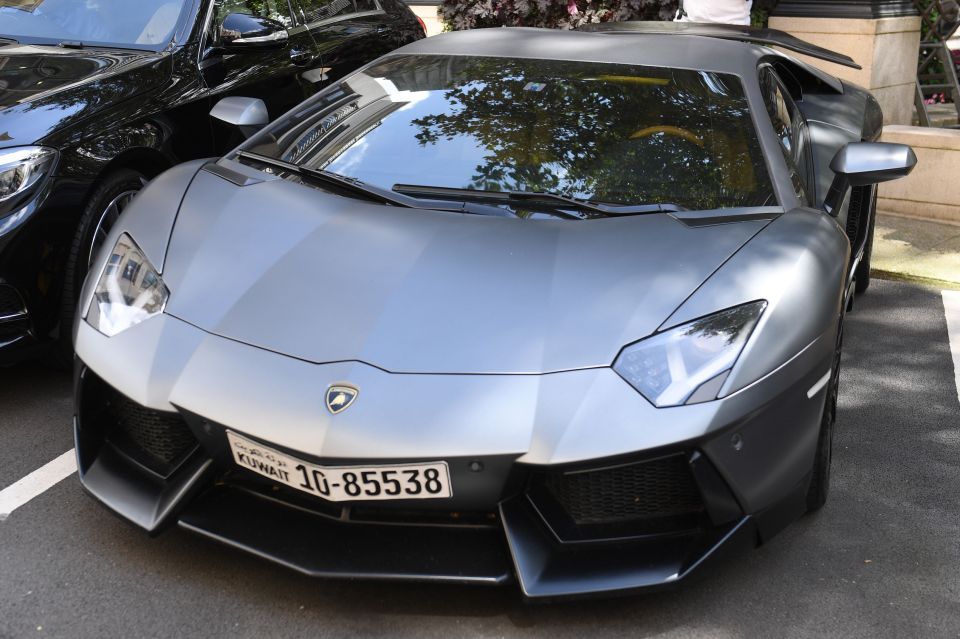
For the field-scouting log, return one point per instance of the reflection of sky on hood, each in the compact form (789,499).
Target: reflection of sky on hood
(453,163)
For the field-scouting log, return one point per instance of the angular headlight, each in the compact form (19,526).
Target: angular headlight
(689,364)
(21,168)
(129,291)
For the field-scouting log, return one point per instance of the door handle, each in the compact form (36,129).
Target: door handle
(300,57)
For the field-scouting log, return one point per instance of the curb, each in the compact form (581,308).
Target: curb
(914,279)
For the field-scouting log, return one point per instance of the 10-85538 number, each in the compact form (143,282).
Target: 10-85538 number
(429,480)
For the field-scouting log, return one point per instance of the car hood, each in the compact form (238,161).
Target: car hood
(325,279)
(45,88)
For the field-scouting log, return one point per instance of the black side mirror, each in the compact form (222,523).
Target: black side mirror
(243,32)
(865,163)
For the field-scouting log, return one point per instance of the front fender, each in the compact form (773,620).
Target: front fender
(798,264)
(149,220)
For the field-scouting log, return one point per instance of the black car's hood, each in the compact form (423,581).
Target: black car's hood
(43,89)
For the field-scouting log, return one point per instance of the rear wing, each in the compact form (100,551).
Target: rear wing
(753,35)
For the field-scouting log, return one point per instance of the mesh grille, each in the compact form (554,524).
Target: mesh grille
(656,489)
(857,196)
(10,301)
(162,437)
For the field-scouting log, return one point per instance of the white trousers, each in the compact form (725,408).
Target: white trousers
(719,11)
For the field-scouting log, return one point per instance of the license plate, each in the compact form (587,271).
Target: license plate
(429,480)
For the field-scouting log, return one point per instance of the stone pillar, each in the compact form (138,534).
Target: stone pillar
(882,36)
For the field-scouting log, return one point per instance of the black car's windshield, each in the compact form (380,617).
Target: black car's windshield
(134,23)
(609,133)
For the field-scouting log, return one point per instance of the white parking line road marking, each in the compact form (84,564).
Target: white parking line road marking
(951,306)
(37,482)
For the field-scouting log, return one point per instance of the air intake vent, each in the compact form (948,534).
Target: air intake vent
(651,497)
(155,439)
(11,304)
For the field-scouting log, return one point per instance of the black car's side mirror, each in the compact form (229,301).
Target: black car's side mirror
(865,163)
(247,114)
(243,32)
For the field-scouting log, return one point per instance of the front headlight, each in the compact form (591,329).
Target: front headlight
(23,167)
(129,291)
(689,364)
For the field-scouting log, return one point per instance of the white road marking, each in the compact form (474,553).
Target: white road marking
(37,482)
(951,306)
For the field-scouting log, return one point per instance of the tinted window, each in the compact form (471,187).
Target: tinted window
(790,128)
(317,10)
(144,22)
(278,10)
(611,133)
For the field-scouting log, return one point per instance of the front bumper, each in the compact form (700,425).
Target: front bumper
(564,509)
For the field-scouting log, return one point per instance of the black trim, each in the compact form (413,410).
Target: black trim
(751,35)
(852,9)
(547,570)
(320,547)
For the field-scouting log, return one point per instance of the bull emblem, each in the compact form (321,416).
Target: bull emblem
(339,398)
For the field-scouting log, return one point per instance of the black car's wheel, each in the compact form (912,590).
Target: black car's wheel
(820,478)
(100,214)
(868,211)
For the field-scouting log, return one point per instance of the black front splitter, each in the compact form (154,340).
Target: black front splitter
(319,546)
(518,546)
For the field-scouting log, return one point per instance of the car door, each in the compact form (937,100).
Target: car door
(282,76)
(347,33)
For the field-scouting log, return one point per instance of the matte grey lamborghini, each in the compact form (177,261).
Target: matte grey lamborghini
(559,307)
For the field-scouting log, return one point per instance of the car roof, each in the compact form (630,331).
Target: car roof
(676,50)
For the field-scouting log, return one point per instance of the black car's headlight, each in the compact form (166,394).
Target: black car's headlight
(129,291)
(23,167)
(688,364)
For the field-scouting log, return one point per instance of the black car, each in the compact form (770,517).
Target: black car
(98,98)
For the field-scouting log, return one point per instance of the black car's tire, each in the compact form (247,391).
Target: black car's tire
(862,274)
(100,213)
(820,476)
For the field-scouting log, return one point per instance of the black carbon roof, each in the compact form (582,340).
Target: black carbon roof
(753,35)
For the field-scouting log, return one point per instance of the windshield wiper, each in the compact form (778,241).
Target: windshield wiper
(333,180)
(8,40)
(354,186)
(558,201)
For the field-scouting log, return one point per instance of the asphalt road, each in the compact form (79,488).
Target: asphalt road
(881,560)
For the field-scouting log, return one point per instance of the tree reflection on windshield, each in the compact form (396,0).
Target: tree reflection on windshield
(660,137)
(620,134)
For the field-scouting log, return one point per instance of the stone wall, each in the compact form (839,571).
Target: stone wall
(931,191)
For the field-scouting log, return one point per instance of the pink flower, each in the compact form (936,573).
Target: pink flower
(572,7)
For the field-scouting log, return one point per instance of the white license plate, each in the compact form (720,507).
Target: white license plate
(344,483)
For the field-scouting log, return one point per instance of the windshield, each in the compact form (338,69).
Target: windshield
(133,23)
(609,133)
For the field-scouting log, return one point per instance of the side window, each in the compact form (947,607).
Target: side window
(318,10)
(790,128)
(278,10)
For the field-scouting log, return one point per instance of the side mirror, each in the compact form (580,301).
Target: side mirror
(247,114)
(243,32)
(866,163)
